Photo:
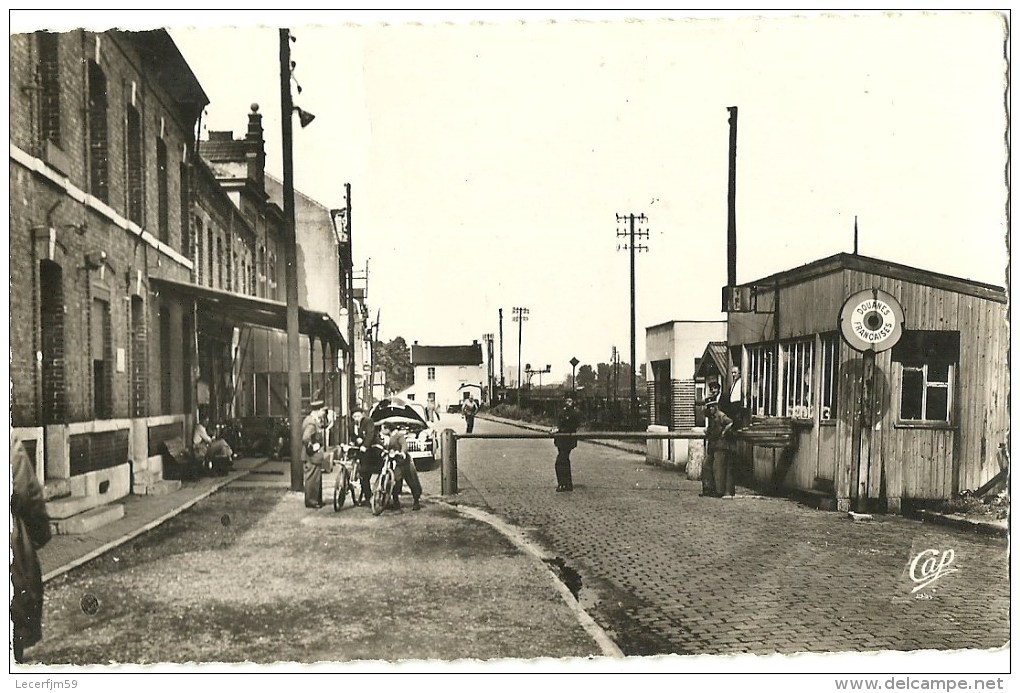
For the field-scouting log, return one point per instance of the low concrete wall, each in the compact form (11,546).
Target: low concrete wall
(681,454)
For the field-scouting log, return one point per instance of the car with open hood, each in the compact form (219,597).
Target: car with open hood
(409,417)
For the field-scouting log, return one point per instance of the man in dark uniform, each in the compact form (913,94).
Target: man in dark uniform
(568,422)
(719,458)
(369,446)
(312,447)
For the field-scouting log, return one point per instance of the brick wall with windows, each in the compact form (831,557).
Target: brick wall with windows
(50,223)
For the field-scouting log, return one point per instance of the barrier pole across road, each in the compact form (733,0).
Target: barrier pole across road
(448,444)
(591,435)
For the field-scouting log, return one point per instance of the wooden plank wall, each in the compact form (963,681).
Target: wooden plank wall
(923,462)
(906,462)
(982,390)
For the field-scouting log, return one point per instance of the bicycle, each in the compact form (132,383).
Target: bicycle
(384,482)
(348,478)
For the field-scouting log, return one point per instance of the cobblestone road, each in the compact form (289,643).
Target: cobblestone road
(665,571)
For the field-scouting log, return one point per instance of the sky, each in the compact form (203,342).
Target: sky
(489,155)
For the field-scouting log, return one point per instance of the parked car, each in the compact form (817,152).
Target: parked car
(410,417)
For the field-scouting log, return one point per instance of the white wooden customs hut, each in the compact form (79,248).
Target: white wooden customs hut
(922,417)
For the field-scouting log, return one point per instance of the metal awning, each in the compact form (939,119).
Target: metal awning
(256,311)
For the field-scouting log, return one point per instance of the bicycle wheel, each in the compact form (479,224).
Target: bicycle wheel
(355,488)
(378,502)
(340,488)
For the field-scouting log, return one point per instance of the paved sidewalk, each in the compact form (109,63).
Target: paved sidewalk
(506,555)
(141,513)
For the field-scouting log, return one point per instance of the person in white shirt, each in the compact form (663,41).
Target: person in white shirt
(736,387)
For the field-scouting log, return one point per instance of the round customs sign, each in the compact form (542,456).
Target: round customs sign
(871,320)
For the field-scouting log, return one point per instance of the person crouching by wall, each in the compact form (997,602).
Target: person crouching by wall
(212,454)
(312,453)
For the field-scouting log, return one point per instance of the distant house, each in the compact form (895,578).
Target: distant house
(446,374)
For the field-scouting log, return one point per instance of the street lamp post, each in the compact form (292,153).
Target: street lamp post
(287,109)
(293,337)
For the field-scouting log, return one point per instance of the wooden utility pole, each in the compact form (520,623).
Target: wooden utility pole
(632,234)
(502,370)
(352,397)
(290,236)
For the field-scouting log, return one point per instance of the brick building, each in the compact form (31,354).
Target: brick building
(138,270)
(101,137)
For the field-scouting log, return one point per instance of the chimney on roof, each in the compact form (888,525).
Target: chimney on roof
(255,153)
(416,341)
(474,341)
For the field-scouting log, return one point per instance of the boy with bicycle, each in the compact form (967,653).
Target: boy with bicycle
(396,443)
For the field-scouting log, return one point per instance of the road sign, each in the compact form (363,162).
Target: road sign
(871,320)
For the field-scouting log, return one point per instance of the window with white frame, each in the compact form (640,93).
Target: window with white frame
(462,373)
(760,388)
(829,365)
(798,370)
(432,373)
(928,367)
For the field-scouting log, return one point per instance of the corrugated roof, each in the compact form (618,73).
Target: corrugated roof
(715,354)
(467,355)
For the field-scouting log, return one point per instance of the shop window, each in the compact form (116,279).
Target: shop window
(163,200)
(760,388)
(135,172)
(99,145)
(829,364)
(798,371)
(432,373)
(928,366)
(49,87)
